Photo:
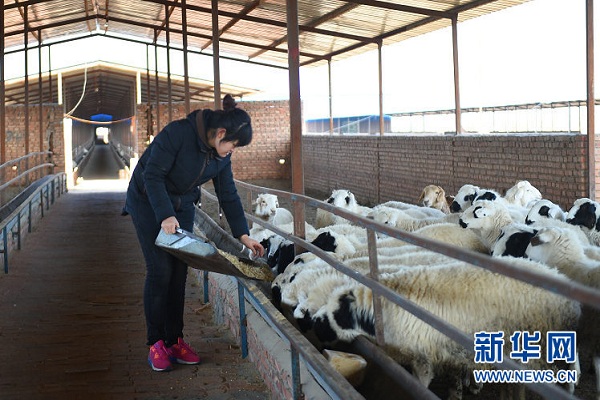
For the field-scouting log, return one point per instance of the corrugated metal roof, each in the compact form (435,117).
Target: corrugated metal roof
(248,29)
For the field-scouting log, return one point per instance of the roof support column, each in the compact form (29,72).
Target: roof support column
(186,77)
(157,88)
(148,97)
(2,93)
(293,33)
(458,116)
(330,96)
(26,43)
(40,89)
(380,72)
(168,39)
(51,97)
(591,103)
(216,52)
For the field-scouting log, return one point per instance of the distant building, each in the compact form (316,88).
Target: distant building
(365,124)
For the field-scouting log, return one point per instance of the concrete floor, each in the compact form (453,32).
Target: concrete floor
(72,314)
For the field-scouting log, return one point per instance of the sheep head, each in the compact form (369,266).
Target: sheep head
(266,206)
(464,198)
(342,198)
(544,209)
(585,212)
(432,195)
(522,193)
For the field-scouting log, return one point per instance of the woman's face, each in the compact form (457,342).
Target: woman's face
(222,148)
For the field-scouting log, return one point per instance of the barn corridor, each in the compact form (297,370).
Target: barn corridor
(72,314)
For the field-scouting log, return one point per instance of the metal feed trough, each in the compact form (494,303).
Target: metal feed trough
(211,248)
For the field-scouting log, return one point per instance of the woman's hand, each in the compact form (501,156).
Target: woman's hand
(169,225)
(255,247)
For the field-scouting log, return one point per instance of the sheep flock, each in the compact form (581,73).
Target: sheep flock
(521,227)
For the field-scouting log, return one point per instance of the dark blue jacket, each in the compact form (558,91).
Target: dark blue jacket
(173,167)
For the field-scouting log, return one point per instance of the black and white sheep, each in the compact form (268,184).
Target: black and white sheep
(562,249)
(513,240)
(446,291)
(341,198)
(486,218)
(585,213)
(464,198)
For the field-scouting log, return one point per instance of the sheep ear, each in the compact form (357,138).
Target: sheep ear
(441,194)
(421,197)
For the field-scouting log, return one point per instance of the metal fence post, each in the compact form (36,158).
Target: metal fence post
(243,320)
(5,249)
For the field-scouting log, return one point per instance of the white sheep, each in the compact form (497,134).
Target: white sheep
(341,198)
(267,208)
(311,300)
(434,196)
(464,198)
(585,213)
(413,209)
(471,299)
(404,220)
(522,193)
(562,249)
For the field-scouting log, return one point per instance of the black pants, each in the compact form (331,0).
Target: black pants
(164,288)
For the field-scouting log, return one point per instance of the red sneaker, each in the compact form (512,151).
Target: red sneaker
(182,353)
(158,358)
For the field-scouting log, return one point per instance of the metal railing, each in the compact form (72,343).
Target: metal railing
(25,214)
(19,173)
(571,290)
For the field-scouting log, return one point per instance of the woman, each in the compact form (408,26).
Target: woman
(162,193)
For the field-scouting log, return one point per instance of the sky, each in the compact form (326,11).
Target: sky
(533,52)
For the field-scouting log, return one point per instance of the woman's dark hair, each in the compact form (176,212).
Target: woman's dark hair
(235,121)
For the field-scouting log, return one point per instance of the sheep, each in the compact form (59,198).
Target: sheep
(469,298)
(311,300)
(267,208)
(546,213)
(541,209)
(402,219)
(413,210)
(435,197)
(513,240)
(486,218)
(522,193)
(562,249)
(340,198)
(464,198)
(518,212)
(586,214)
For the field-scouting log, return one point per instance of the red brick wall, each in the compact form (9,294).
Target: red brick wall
(377,169)
(260,159)
(52,131)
